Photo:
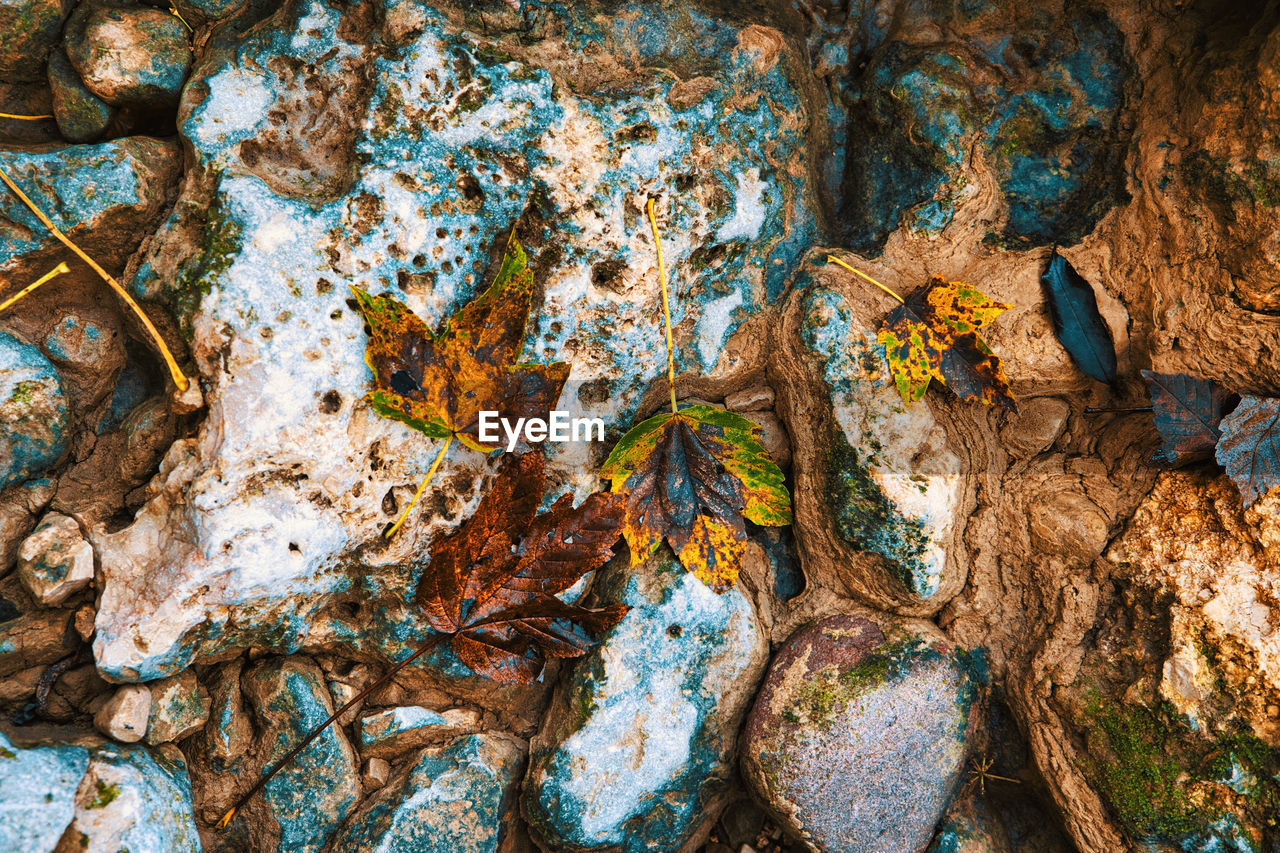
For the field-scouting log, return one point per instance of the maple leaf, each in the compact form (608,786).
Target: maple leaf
(691,477)
(1188,413)
(933,334)
(439,384)
(491,585)
(1249,449)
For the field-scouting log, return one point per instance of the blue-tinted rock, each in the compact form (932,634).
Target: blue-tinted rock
(858,737)
(179,706)
(133,386)
(310,797)
(639,744)
(134,799)
(210,10)
(451,799)
(39,785)
(392,731)
(430,151)
(33,411)
(128,55)
(28,29)
(55,561)
(81,115)
(106,194)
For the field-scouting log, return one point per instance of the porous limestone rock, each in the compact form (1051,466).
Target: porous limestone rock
(393,731)
(55,561)
(638,746)
(33,411)
(39,785)
(81,115)
(179,707)
(124,716)
(128,55)
(28,29)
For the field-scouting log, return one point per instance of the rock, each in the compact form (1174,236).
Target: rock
(56,560)
(638,746)
(179,707)
(19,507)
(757,398)
(451,799)
(124,717)
(33,411)
(28,29)
(81,115)
(33,639)
(312,796)
(1066,522)
(129,55)
(210,10)
(858,736)
(968,828)
(1035,426)
(376,773)
(83,621)
(394,731)
(773,435)
(251,267)
(79,343)
(39,786)
(133,799)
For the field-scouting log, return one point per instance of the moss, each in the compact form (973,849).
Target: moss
(219,244)
(829,692)
(106,795)
(25,391)
(7,753)
(865,518)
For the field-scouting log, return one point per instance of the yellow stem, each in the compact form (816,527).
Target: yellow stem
(23,118)
(51,274)
(178,15)
(832,259)
(431,472)
(179,378)
(666,307)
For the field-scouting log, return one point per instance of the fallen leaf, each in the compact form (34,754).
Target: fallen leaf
(439,384)
(934,335)
(1076,320)
(491,585)
(1188,414)
(1249,449)
(691,478)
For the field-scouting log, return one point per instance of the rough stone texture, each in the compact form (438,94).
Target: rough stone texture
(39,785)
(179,707)
(56,560)
(33,411)
(133,799)
(638,745)
(81,115)
(35,638)
(450,799)
(124,716)
(20,506)
(394,731)
(265,522)
(128,55)
(858,736)
(28,29)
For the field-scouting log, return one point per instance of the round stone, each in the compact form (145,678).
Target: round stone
(33,411)
(28,29)
(81,115)
(127,55)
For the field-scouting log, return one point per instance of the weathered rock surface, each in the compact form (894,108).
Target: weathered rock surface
(450,799)
(81,115)
(134,799)
(28,29)
(39,785)
(33,411)
(35,638)
(128,55)
(638,746)
(858,736)
(55,561)
(125,715)
(394,731)
(179,707)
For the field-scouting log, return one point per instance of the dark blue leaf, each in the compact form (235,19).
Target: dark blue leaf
(1250,446)
(1188,410)
(1076,321)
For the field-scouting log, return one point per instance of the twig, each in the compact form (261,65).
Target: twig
(832,259)
(23,118)
(174,10)
(50,275)
(666,307)
(316,732)
(427,479)
(179,378)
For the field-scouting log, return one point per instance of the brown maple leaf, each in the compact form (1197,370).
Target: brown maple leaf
(492,584)
(439,384)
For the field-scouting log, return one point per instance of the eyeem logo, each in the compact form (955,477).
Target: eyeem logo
(561,428)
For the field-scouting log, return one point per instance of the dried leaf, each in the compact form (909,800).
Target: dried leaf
(439,384)
(1249,449)
(1077,322)
(692,478)
(934,335)
(1188,413)
(491,585)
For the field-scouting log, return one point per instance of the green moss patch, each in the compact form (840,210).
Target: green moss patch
(105,796)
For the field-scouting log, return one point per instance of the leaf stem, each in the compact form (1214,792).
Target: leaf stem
(431,472)
(666,306)
(1119,411)
(832,259)
(179,378)
(51,274)
(315,733)
(23,118)
(174,10)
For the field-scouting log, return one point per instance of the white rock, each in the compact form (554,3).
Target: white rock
(376,773)
(55,561)
(125,715)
